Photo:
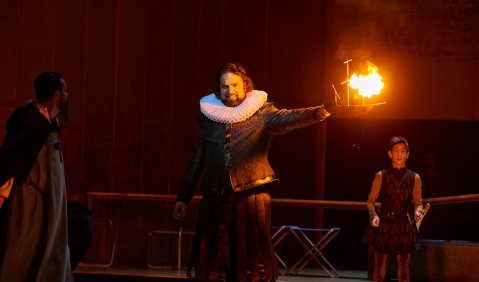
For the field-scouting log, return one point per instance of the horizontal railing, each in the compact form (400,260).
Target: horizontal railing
(301,203)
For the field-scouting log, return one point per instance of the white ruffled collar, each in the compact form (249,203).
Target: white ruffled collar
(215,110)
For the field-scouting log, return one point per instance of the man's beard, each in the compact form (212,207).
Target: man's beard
(64,110)
(232,103)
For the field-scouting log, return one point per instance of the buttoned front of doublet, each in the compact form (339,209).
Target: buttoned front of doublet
(228,137)
(213,175)
(228,146)
(249,165)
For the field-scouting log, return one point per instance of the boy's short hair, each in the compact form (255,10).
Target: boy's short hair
(398,140)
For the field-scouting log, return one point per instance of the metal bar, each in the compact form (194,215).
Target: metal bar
(304,203)
(352,205)
(180,234)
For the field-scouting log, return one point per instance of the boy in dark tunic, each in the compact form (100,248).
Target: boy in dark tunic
(393,231)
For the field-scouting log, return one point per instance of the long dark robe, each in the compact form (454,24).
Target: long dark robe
(33,220)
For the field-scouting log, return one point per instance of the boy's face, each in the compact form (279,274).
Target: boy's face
(398,155)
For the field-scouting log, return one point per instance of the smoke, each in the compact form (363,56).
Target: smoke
(363,25)
(436,28)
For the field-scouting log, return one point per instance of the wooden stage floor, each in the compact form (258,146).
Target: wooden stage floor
(134,274)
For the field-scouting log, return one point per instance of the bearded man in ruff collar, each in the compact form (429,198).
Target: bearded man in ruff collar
(230,167)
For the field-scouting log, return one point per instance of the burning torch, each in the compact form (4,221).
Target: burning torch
(363,85)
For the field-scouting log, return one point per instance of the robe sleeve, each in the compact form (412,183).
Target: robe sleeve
(27,131)
(6,188)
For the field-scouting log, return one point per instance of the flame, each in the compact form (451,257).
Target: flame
(367,85)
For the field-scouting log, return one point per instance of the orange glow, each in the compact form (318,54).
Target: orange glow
(367,85)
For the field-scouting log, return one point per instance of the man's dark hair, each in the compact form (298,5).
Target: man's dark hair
(234,68)
(46,84)
(398,140)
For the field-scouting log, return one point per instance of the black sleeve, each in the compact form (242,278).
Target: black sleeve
(27,131)
(190,180)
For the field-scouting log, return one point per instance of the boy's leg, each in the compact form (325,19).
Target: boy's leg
(379,266)
(403,267)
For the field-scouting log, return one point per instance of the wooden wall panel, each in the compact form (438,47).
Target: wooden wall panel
(70,61)
(133,30)
(8,74)
(8,55)
(184,99)
(102,28)
(294,57)
(233,31)
(129,131)
(101,87)
(453,99)
(36,39)
(209,46)
(98,136)
(158,93)
(256,28)
(37,23)
(32,60)
(72,68)
(128,135)
(9,20)
(71,20)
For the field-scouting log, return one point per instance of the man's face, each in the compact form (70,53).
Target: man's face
(64,104)
(399,155)
(232,89)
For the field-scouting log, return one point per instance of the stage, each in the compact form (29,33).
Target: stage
(133,274)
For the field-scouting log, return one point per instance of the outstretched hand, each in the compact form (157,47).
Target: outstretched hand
(342,111)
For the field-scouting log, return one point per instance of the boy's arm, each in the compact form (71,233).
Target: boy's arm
(374,194)
(417,196)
